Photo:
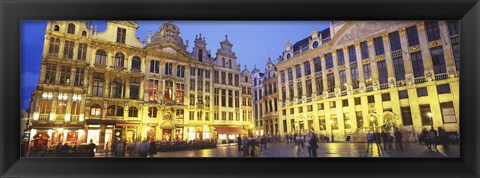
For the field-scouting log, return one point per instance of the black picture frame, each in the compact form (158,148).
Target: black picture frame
(13,12)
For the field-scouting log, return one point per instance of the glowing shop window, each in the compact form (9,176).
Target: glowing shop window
(94,135)
(222,136)
(232,136)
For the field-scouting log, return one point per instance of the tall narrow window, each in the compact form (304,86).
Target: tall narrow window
(154,66)
(180,71)
(367,72)
(132,112)
(168,68)
(382,71)
(152,90)
(364,49)
(352,54)
(308,86)
(329,61)
(71,28)
(331,83)
(65,74)
(237,81)
(50,73)
(116,89)
(152,112)
(307,68)
(79,74)
(355,79)
(68,49)
(200,55)
(340,57)
(290,74)
(121,34)
(230,79)
(395,41)
(98,83)
(318,64)
(378,42)
(399,68)
(298,70)
(119,58)
(54,46)
(319,84)
(82,51)
(230,63)
(215,77)
(424,113)
(412,35)
(100,57)
(230,98)
(134,88)
(179,93)
(343,79)
(136,63)
(290,88)
(299,90)
(438,60)
(224,97)
(406,116)
(433,32)
(417,64)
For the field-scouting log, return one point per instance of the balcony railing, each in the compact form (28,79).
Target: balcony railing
(418,80)
(369,88)
(454,39)
(74,118)
(299,101)
(343,93)
(44,117)
(309,99)
(296,53)
(383,86)
(397,53)
(59,118)
(442,76)
(283,104)
(331,94)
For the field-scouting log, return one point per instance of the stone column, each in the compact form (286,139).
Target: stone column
(61,47)
(303,80)
(407,62)
(348,71)
(72,76)
(388,57)
(42,73)
(447,46)
(127,88)
(75,50)
(141,89)
(335,69)
(295,81)
(427,58)
(361,76)
(373,62)
(324,76)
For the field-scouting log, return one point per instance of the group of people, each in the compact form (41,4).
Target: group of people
(143,149)
(387,140)
(433,138)
(311,140)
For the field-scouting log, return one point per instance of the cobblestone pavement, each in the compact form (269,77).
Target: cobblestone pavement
(325,150)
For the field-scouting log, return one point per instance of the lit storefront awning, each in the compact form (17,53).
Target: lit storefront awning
(65,126)
(229,130)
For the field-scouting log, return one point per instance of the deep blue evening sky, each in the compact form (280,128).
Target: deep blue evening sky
(253,41)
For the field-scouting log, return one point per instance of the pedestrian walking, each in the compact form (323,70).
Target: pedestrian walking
(287,138)
(370,140)
(432,136)
(307,141)
(107,148)
(263,142)
(313,142)
(91,148)
(398,139)
(245,146)
(252,142)
(443,138)
(152,149)
(239,143)
(144,148)
(385,139)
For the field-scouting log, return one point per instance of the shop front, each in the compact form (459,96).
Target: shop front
(168,130)
(50,135)
(228,134)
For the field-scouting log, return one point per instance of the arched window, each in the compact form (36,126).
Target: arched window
(95,110)
(71,28)
(200,55)
(56,28)
(136,63)
(118,60)
(84,33)
(230,63)
(289,55)
(132,112)
(116,88)
(315,44)
(223,62)
(100,57)
(114,110)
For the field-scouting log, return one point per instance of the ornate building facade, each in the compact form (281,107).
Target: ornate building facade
(355,76)
(265,97)
(106,86)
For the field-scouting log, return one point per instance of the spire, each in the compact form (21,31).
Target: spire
(245,66)
(149,36)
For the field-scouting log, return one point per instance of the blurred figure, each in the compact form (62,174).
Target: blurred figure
(152,149)
(398,139)
(432,136)
(313,142)
(443,138)
(307,140)
(91,148)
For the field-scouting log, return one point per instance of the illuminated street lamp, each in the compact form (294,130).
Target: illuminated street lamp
(431,119)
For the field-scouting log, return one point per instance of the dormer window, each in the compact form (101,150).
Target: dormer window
(200,55)
(84,33)
(289,56)
(315,44)
(121,34)
(71,28)
(230,63)
(56,28)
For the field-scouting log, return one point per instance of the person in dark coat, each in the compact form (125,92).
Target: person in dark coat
(443,138)
(385,139)
(239,143)
(91,148)
(313,142)
(398,139)
(152,149)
